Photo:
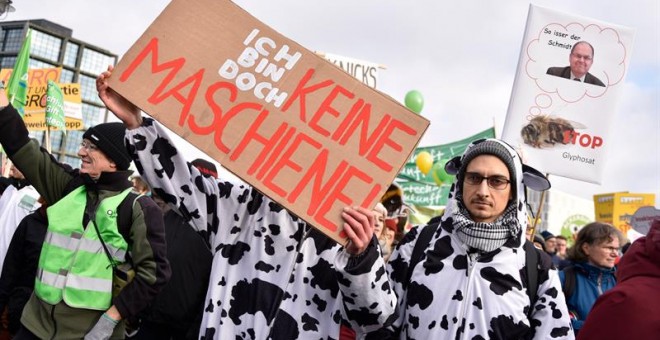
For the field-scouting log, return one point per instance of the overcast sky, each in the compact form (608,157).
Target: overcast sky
(461,55)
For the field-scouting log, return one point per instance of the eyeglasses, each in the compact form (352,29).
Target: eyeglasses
(495,182)
(580,56)
(611,249)
(88,146)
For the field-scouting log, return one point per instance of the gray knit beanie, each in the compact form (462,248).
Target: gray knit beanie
(488,147)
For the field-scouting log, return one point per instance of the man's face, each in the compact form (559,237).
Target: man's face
(485,203)
(551,245)
(93,160)
(561,246)
(581,59)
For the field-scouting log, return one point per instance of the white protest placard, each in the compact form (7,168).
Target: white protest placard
(563,124)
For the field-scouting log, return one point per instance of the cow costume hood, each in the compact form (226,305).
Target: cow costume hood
(519,174)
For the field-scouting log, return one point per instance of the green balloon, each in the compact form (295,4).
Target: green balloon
(440,176)
(414,101)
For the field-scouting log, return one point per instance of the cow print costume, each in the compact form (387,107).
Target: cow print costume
(273,276)
(455,294)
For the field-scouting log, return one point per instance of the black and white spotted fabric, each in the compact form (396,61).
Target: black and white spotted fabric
(456,295)
(273,276)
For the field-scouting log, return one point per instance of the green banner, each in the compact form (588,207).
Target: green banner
(423,190)
(55,107)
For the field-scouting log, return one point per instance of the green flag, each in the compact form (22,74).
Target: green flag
(18,81)
(55,106)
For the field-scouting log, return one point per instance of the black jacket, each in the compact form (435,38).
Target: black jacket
(179,305)
(10,181)
(20,265)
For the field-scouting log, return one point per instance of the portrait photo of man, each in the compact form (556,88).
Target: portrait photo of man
(580,59)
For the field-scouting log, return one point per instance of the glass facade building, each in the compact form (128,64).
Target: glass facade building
(52,45)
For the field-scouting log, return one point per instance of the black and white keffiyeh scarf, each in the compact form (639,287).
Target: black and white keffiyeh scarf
(484,236)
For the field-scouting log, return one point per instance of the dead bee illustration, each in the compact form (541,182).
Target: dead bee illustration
(545,131)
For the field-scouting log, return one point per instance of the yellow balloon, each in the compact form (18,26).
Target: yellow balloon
(424,162)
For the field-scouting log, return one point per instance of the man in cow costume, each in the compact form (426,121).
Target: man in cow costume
(471,281)
(273,275)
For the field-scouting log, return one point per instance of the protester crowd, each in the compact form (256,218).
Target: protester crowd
(175,252)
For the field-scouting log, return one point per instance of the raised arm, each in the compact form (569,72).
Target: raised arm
(37,165)
(159,162)
(368,299)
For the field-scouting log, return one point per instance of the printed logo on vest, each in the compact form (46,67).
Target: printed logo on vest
(111,213)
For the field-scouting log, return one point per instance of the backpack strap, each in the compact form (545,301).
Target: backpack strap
(536,262)
(421,244)
(532,267)
(125,213)
(569,282)
(124,220)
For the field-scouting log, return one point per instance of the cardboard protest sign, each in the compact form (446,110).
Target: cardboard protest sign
(299,129)
(569,80)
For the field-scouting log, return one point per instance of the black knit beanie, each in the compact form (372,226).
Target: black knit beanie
(109,137)
(489,147)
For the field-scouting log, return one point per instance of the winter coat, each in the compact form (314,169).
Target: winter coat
(273,276)
(145,235)
(182,299)
(17,280)
(590,283)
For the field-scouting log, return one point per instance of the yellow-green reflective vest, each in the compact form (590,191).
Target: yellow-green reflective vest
(73,265)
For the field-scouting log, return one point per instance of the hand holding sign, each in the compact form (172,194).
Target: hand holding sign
(126,111)
(359,226)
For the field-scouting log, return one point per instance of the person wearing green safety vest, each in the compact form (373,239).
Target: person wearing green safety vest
(96,226)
